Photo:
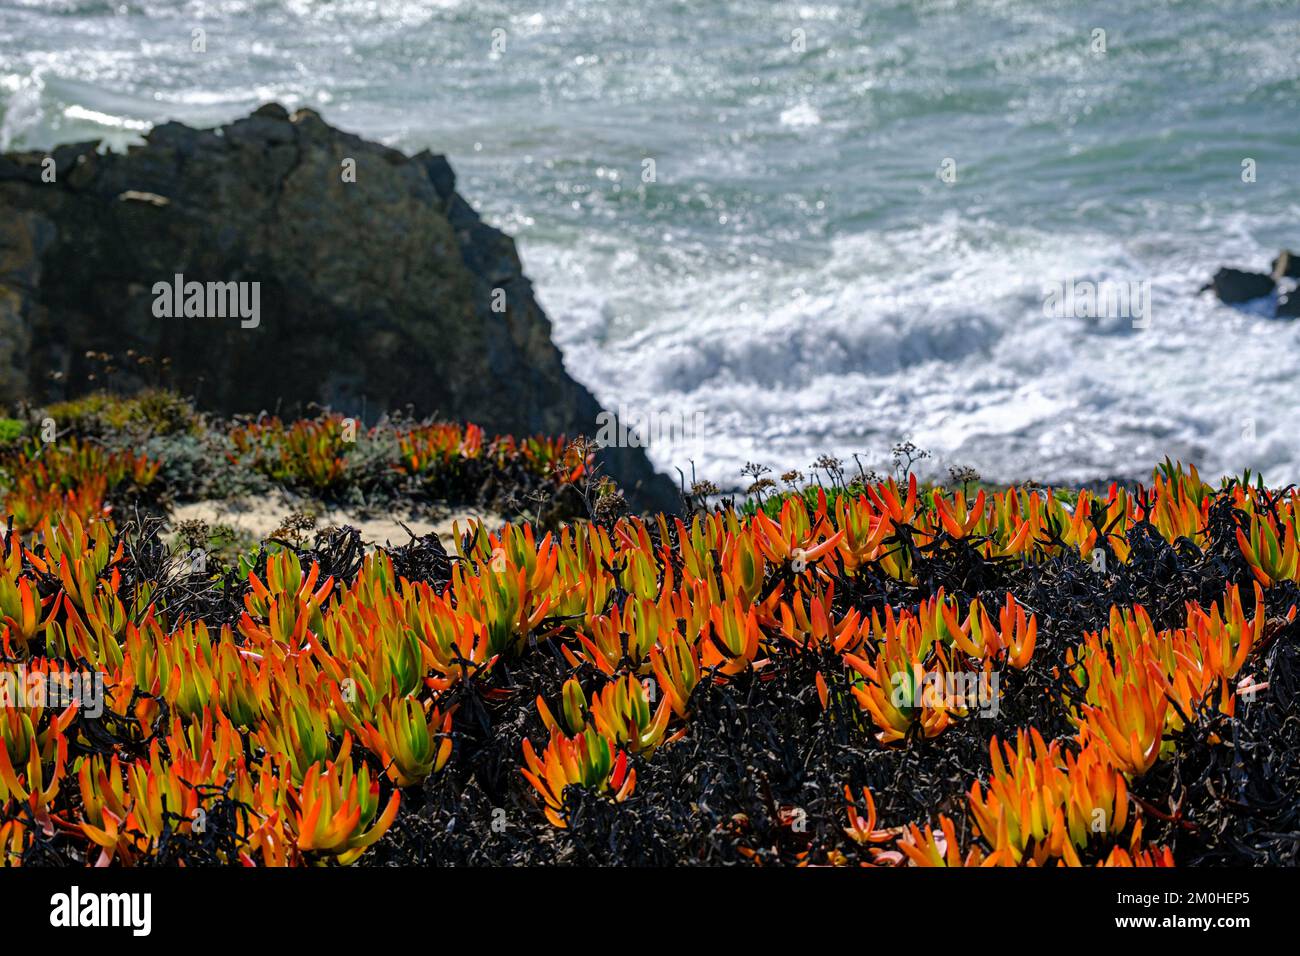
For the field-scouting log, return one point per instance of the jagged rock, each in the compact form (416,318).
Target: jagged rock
(1233,285)
(1286,266)
(372,294)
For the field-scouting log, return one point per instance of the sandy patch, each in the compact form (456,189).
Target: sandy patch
(260,517)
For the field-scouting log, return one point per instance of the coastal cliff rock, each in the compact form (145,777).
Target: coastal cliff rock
(377,286)
(1235,286)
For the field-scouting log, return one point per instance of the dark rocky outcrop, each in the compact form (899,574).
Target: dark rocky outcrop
(1233,285)
(375,294)
(1288,306)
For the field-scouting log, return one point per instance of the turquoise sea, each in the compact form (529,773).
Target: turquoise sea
(799,278)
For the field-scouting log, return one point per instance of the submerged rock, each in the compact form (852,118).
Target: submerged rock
(273,263)
(1288,306)
(1233,285)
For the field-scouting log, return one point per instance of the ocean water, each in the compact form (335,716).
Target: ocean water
(799,279)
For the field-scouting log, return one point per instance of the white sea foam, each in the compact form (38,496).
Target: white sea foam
(106,119)
(803,114)
(951,350)
(797,273)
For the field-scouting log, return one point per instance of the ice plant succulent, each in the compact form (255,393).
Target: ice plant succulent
(1044,802)
(326,696)
(590,760)
(413,740)
(338,808)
